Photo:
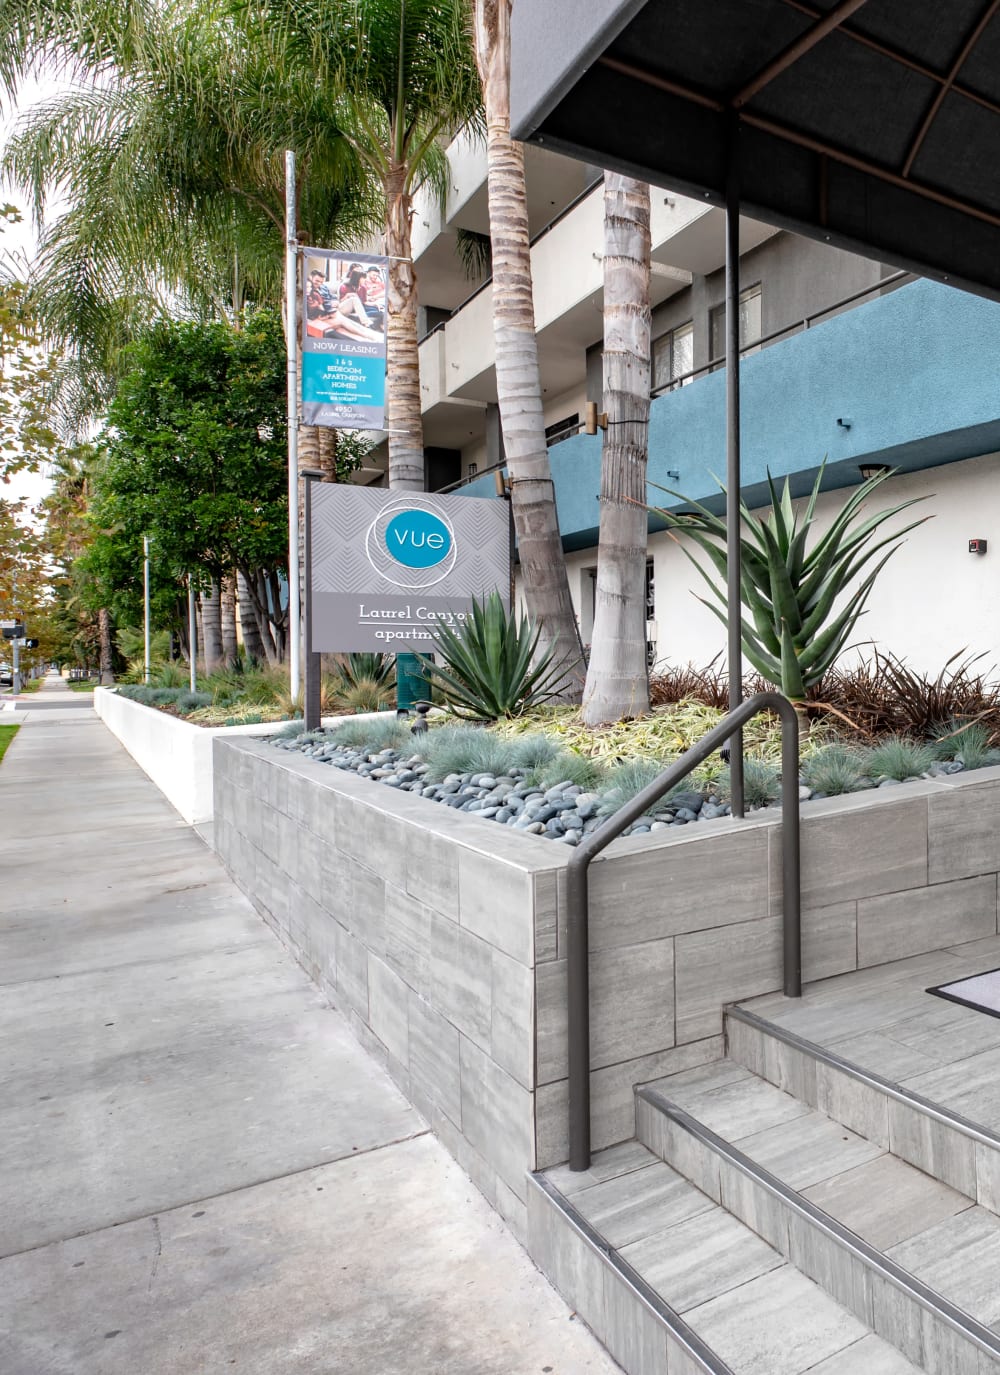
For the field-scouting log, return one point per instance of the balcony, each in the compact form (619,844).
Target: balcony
(912,374)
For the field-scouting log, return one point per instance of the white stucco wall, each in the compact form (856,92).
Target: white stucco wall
(932,599)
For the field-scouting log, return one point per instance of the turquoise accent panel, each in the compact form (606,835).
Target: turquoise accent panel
(914,374)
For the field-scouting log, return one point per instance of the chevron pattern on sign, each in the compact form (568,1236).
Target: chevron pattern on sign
(342,515)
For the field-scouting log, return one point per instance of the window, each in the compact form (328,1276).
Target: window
(562,429)
(750,323)
(650,612)
(673,356)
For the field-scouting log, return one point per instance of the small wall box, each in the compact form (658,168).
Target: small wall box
(977,546)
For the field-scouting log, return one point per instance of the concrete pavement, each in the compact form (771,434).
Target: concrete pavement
(200,1170)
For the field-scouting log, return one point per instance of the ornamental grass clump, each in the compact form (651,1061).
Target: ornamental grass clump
(492,665)
(625,781)
(967,743)
(835,769)
(372,736)
(569,767)
(792,634)
(899,758)
(464,749)
(761,783)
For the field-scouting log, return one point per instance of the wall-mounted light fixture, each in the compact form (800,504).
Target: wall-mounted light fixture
(844,424)
(870,470)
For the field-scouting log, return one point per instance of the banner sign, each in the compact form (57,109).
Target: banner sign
(344,318)
(387,566)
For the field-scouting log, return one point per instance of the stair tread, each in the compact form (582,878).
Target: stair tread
(728,1103)
(886,1201)
(808,1149)
(746,1301)
(959,1257)
(633,1205)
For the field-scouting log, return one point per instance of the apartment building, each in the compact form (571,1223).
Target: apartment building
(845,361)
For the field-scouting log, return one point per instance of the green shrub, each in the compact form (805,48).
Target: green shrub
(364,695)
(492,666)
(900,758)
(191,701)
(834,769)
(465,749)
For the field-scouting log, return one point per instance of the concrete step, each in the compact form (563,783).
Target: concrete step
(909,1256)
(674,1284)
(861,1093)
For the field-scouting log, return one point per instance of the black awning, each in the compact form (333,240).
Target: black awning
(873,124)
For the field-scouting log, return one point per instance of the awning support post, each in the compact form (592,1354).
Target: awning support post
(733,548)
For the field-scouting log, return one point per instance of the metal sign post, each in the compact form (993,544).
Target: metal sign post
(292,345)
(314,685)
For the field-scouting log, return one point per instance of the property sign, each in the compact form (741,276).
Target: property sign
(343,340)
(387,567)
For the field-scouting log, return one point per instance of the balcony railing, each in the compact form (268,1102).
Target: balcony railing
(796,327)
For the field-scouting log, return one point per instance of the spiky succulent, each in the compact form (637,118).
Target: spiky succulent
(793,633)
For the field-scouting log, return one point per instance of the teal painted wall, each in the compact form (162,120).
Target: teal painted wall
(915,373)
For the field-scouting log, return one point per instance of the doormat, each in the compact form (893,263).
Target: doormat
(980,992)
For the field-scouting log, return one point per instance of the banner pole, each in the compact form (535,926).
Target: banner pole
(292,337)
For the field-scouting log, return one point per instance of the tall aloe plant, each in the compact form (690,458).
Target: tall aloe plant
(794,630)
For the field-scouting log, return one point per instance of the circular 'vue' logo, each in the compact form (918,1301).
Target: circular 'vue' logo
(417,539)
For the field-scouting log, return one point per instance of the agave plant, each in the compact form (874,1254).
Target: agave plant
(793,634)
(492,666)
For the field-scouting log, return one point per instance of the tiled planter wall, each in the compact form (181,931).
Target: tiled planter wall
(443,938)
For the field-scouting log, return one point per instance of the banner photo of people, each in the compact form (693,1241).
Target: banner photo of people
(343,340)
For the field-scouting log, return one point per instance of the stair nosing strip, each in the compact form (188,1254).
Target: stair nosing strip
(865,1076)
(684,1334)
(928,1298)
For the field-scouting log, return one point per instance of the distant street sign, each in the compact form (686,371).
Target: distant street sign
(5,624)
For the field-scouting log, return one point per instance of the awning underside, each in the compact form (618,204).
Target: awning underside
(872,123)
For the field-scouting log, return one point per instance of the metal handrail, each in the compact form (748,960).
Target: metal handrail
(577,893)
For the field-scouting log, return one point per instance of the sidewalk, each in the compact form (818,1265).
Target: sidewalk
(200,1170)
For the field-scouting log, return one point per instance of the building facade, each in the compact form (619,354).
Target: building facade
(846,362)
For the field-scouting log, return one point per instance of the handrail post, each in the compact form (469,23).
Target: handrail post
(578,1013)
(791,879)
(578,900)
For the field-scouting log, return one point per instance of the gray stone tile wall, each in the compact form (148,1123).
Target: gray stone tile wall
(445,939)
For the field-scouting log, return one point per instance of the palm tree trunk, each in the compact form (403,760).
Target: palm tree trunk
(519,388)
(230,642)
(328,453)
(403,419)
(107,649)
(211,617)
(253,642)
(618,676)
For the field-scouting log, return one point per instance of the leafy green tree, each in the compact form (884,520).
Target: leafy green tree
(168,155)
(194,457)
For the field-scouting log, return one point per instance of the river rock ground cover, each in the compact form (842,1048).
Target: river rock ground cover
(546,775)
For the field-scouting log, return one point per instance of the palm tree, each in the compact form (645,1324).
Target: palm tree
(400,77)
(519,388)
(617,677)
(171,159)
